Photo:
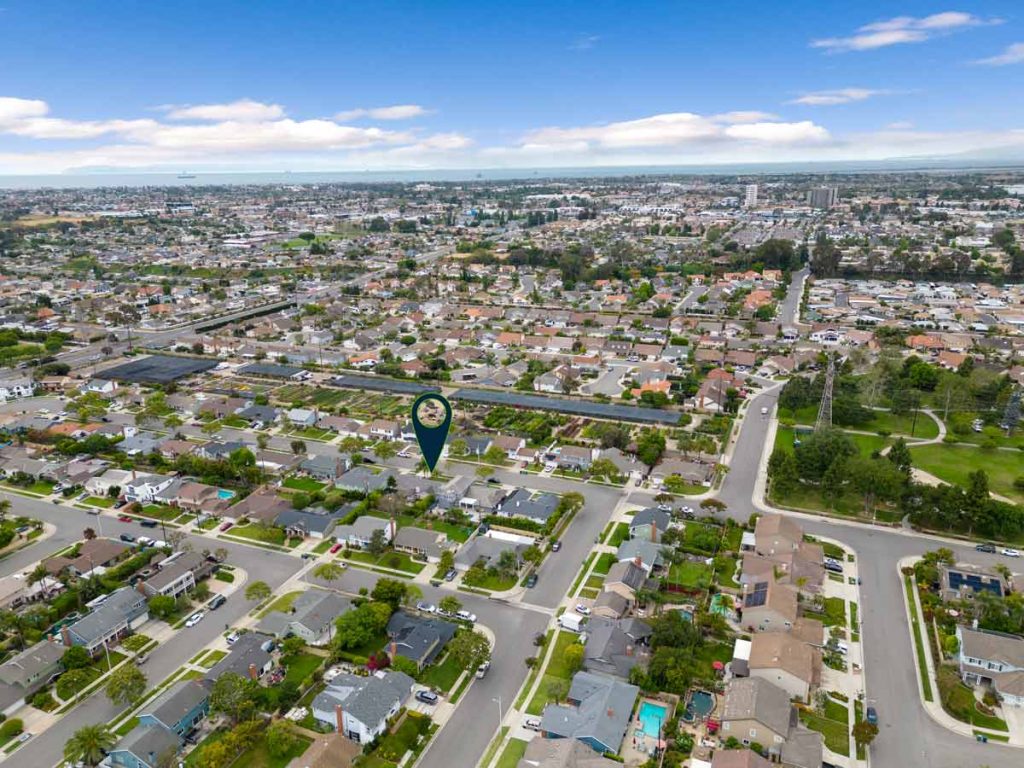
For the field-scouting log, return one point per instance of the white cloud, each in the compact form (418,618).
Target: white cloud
(901,30)
(584,42)
(13,111)
(243,110)
(396,112)
(1014,54)
(837,96)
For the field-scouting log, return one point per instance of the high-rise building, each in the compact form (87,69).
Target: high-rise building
(823,197)
(750,201)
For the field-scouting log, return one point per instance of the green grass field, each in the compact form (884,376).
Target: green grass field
(953,463)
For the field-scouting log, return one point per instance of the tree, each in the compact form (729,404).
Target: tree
(361,625)
(292,645)
(89,744)
(385,449)
(649,446)
(783,472)
(390,591)
(75,657)
(126,685)
(864,733)
(450,604)
(378,543)
(221,553)
(280,739)
(469,649)
(447,561)
(572,658)
(232,696)
(262,441)
(257,591)
(162,606)
(328,571)
(557,690)
(533,554)
(88,534)
(298,447)
(899,455)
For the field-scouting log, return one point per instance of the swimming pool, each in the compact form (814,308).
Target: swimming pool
(224,493)
(701,704)
(652,716)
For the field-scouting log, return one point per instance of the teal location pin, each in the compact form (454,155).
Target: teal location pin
(431,420)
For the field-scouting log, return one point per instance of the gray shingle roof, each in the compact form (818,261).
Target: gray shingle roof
(602,713)
(368,699)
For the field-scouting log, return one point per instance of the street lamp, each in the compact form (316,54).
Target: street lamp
(500,717)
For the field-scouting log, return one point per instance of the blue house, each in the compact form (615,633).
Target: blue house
(179,709)
(144,746)
(597,714)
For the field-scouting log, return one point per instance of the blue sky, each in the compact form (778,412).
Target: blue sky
(443,84)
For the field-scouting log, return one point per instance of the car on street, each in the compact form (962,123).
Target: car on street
(124,519)
(426,607)
(427,697)
(990,548)
(92,511)
(531,581)
(764,411)
(466,616)
(481,671)
(336,548)
(194,619)
(148,523)
(555,546)
(871,715)
(217,602)
(1008,552)
(127,537)
(233,638)
(583,610)
(24,737)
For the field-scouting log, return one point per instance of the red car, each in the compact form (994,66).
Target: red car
(125,519)
(334,549)
(226,526)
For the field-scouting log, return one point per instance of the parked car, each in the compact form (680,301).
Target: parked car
(124,519)
(148,523)
(583,610)
(225,526)
(871,715)
(335,549)
(532,723)
(426,607)
(450,576)
(119,503)
(466,616)
(481,671)
(194,619)
(531,581)
(427,697)
(833,565)
(555,546)
(232,638)
(217,602)
(127,537)
(990,548)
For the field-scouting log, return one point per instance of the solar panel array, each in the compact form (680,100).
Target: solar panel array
(158,369)
(274,370)
(380,384)
(758,597)
(573,407)
(975,582)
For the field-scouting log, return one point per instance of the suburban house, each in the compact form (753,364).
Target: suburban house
(364,479)
(575,458)
(963,582)
(615,646)
(301,417)
(563,753)
(423,544)
(786,661)
(144,746)
(756,711)
(360,707)
(993,658)
(768,606)
(249,657)
(34,666)
(487,549)
(644,553)
(180,708)
(311,617)
(123,611)
(315,522)
(625,578)
(144,487)
(93,556)
(263,505)
(13,388)
(524,503)
(597,713)
(417,638)
(325,468)
(649,523)
(359,533)
(178,574)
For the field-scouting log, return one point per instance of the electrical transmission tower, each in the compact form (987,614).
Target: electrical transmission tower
(825,409)
(1012,413)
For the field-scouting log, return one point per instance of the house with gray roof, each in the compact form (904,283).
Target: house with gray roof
(363,479)
(423,544)
(144,746)
(615,646)
(485,549)
(597,713)
(359,533)
(315,522)
(33,666)
(360,707)
(118,616)
(249,657)
(325,468)
(180,708)
(311,617)
(647,520)
(524,503)
(418,638)
(646,554)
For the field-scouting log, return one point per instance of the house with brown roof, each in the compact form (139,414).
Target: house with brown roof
(785,661)
(768,606)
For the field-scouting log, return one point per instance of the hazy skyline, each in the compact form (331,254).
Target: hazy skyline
(343,86)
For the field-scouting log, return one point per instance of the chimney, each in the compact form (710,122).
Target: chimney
(638,561)
(65,636)
(339,719)
(629,650)
(252,672)
(393,531)
(393,650)
(139,586)
(654,532)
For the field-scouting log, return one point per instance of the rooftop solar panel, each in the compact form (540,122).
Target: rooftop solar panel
(758,597)
(158,369)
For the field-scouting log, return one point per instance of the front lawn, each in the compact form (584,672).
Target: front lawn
(514,751)
(396,561)
(160,512)
(305,484)
(604,563)
(481,579)
(834,614)
(259,755)
(836,734)
(267,534)
(554,674)
(103,502)
(282,603)
(619,535)
(442,676)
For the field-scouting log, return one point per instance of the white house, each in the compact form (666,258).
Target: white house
(14,388)
(360,707)
(144,487)
(302,417)
(101,484)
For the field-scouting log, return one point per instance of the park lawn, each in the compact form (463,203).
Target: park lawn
(996,435)
(604,563)
(103,502)
(306,484)
(514,751)
(300,666)
(953,463)
(442,676)
(868,444)
(924,428)
(690,574)
(836,734)
(268,534)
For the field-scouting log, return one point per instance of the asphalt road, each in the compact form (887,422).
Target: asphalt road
(789,311)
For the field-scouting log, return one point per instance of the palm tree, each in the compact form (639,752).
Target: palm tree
(89,744)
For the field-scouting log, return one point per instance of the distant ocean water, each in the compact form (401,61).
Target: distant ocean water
(100,179)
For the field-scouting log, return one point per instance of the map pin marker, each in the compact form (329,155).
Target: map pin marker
(431,420)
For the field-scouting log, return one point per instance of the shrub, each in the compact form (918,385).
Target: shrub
(11,728)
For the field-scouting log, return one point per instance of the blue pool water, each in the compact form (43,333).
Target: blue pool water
(652,716)
(224,493)
(701,703)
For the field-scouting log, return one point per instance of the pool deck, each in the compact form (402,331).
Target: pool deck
(637,745)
